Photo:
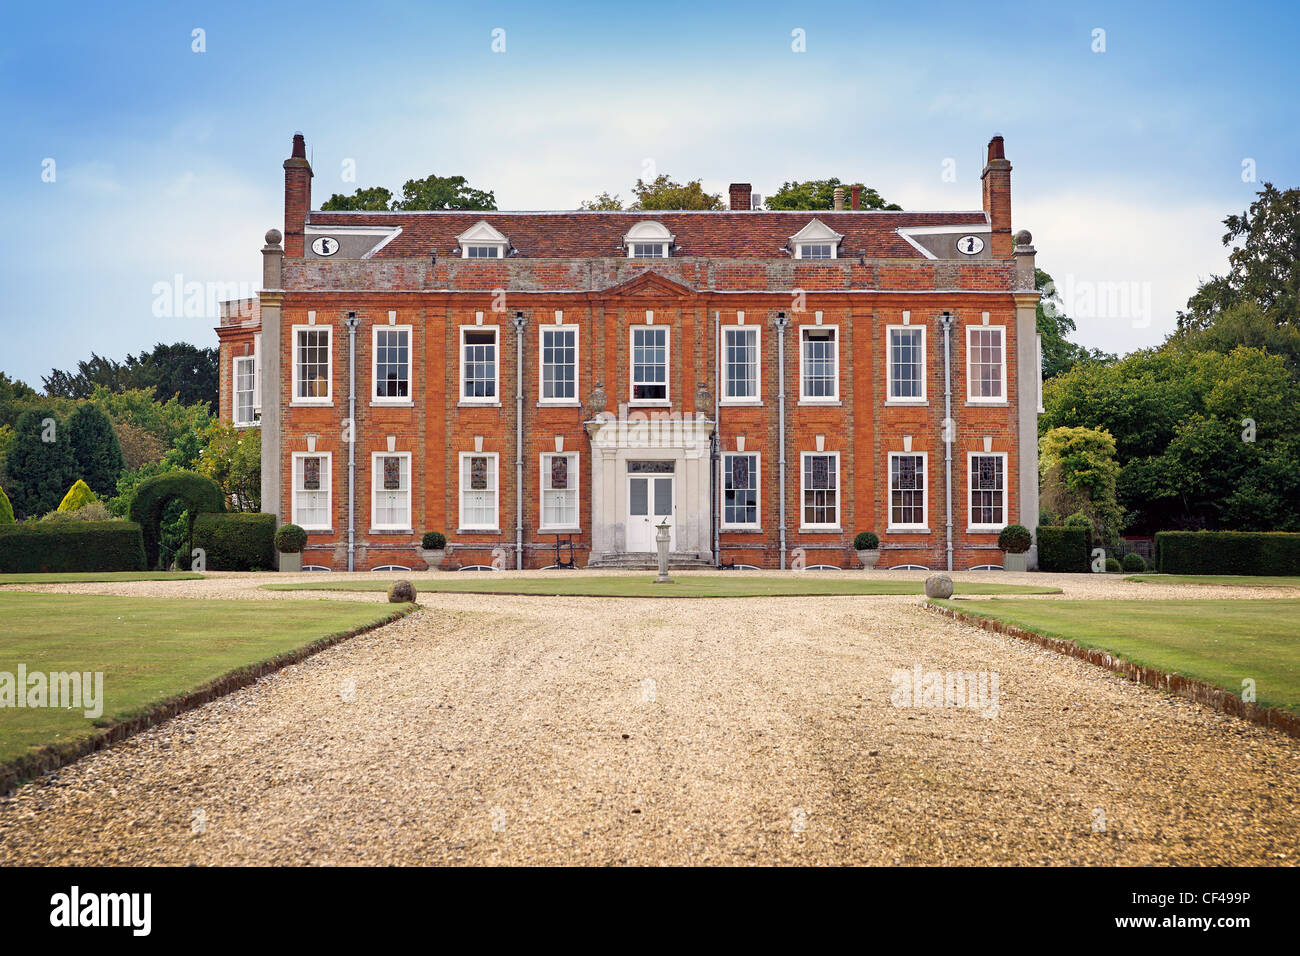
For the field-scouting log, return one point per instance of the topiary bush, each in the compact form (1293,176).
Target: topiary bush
(1227,552)
(866,541)
(6,509)
(1062,549)
(1015,539)
(290,539)
(237,541)
(1112,564)
(200,494)
(43,546)
(1133,563)
(78,496)
(433,541)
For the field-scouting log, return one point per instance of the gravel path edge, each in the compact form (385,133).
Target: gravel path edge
(51,757)
(1194,689)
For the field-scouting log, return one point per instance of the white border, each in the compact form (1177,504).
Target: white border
(839,492)
(374,364)
(543,477)
(668,366)
(970,489)
(327,479)
(757,523)
(234,392)
(374,492)
(925,491)
(890,399)
(328,399)
(542,329)
(460,490)
(819,399)
(757,398)
(496,366)
(970,381)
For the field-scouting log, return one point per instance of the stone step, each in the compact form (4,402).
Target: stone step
(647,560)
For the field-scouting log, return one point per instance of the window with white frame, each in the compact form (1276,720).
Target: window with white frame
(390,499)
(559,491)
(816,250)
(648,239)
(482,241)
(819,360)
(650,363)
(244,380)
(907,499)
(478,363)
(559,358)
(478,491)
(483,252)
(739,490)
(986,363)
(312,482)
(988,491)
(648,250)
(312,371)
(740,363)
(906,361)
(392,372)
(821,490)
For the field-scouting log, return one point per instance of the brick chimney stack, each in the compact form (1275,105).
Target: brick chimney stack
(855,198)
(740,196)
(297,197)
(997,198)
(838,198)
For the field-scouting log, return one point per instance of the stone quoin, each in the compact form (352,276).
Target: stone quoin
(770,383)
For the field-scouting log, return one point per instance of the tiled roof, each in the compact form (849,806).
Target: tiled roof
(738,235)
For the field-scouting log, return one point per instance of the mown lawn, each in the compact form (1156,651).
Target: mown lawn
(148,649)
(1224,642)
(1227,580)
(76,577)
(684,586)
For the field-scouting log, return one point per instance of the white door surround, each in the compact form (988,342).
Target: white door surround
(682,443)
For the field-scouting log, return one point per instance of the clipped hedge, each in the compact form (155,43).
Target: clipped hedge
(199,493)
(1227,552)
(1062,549)
(46,546)
(239,541)
(1134,562)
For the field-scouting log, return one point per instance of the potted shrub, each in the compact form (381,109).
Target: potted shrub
(868,547)
(289,542)
(433,548)
(1014,540)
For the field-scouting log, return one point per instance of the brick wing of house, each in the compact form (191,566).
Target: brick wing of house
(765,383)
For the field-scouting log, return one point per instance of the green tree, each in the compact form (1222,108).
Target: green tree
(443,192)
(603,203)
(40,464)
(820,194)
(374,199)
(232,457)
(664,193)
(6,509)
(15,397)
(96,449)
(180,370)
(1263,269)
(1059,353)
(1079,474)
(1242,324)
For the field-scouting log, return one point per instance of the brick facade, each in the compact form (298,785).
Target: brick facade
(724,269)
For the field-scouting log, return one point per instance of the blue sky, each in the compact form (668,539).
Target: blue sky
(167,161)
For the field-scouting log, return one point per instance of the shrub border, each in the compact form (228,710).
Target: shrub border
(51,757)
(1191,688)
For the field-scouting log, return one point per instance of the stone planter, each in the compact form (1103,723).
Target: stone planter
(433,558)
(869,558)
(1015,562)
(290,561)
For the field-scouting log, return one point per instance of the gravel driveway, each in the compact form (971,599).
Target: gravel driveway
(496,729)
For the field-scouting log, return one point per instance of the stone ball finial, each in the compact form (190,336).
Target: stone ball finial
(273,237)
(1024,238)
(401,592)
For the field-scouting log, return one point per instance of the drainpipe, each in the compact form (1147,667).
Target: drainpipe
(949,426)
(715,444)
(519,323)
(352,322)
(781,323)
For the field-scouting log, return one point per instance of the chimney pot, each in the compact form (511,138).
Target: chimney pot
(996,149)
(299,146)
(855,198)
(839,198)
(740,195)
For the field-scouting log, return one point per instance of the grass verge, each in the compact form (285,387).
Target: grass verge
(1224,580)
(684,586)
(80,577)
(1221,642)
(159,656)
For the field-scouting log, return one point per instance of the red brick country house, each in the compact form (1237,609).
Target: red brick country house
(770,383)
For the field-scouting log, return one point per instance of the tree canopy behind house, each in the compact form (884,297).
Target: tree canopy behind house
(820,194)
(431,192)
(179,370)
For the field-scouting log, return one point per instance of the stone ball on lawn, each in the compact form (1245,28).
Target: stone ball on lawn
(938,586)
(403,592)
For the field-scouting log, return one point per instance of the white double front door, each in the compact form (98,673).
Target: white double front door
(649,504)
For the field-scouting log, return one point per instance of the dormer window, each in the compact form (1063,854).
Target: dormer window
(816,241)
(482,241)
(648,240)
